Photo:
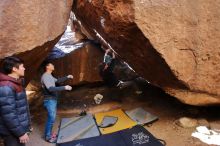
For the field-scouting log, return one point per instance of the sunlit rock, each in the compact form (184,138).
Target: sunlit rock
(173,44)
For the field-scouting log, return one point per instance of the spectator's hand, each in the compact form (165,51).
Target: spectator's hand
(24,138)
(70,76)
(67,87)
(31,129)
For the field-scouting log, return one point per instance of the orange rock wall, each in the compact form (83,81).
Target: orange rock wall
(173,44)
(26,24)
(81,63)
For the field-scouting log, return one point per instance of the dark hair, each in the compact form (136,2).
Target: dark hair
(45,64)
(109,53)
(9,63)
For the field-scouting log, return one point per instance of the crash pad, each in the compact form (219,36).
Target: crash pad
(77,128)
(141,116)
(123,121)
(136,136)
(108,121)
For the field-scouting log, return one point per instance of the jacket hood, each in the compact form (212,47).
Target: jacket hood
(4,77)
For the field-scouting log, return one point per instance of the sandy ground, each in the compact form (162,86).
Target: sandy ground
(152,100)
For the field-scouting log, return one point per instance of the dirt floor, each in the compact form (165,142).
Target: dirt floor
(153,100)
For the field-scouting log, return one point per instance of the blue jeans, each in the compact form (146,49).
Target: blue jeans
(51,107)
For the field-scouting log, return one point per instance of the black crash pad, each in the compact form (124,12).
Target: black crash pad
(136,136)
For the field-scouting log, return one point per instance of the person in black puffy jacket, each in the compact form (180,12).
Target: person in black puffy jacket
(14,110)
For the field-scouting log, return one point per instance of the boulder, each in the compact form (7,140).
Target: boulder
(82,63)
(30,29)
(172,44)
(33,58)
(187,122)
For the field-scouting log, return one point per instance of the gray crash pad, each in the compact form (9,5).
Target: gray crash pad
(77,128)
(141,116)
(108,121)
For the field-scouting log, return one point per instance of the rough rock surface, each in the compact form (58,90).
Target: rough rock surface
(33,58)
(26,24)
(81,63)
(84,59)
(173,44)
(186,122)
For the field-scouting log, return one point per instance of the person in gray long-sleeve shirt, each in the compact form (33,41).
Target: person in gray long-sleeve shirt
(50,92)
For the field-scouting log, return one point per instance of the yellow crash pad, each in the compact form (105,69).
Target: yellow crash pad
(123,122)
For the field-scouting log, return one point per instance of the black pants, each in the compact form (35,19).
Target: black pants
(11,140)
(110,79)
(108,76)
